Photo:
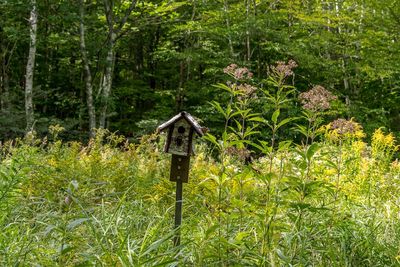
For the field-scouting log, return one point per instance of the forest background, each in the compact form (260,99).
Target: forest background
(129,65)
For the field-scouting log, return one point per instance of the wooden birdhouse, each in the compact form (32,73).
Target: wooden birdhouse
(180,134)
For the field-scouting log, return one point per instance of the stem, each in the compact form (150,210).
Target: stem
(339,162)
(272,154)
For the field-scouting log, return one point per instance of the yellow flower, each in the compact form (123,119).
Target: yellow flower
(378,136)
(342,129)
(358,146)
(383,145)
(389,139)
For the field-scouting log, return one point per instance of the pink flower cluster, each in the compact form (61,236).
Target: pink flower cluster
(283,69)
(317,99)
(343,126)
(247,89)
(237,72)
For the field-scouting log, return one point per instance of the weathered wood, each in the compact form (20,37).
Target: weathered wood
(179,143)
(189,118)
(179,168)
(178,213)
(180,134)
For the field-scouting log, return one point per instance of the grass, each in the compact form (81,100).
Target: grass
(110,203)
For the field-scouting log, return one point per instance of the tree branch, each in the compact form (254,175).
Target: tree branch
(125,18)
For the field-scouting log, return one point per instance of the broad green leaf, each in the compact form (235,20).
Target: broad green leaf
(311,150)
(285,121)
(275,116)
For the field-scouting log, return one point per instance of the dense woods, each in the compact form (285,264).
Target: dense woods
(128,65)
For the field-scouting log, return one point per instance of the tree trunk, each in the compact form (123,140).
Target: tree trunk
(5,99)
(248,48)
(228,27)
(87,74)
(5,59)
(180,91)
(30,68)
(107,83)
(109,64)
(4,77)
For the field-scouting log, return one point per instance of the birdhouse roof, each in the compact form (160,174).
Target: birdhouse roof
(197,128)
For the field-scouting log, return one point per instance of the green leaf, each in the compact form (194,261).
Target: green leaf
(275,116)
(311,150)
(240,236)
(66,249)
(285,121)
(218,107)
(282,256)
(223,87)
(76,223)
(284,145)
(211,138)
(211,230)
(259,119)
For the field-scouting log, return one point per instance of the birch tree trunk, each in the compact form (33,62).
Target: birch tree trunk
(113,32)
(30,68)
(106,84)
(87,74)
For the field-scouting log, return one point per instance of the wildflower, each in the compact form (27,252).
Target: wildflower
(396,164)
(240,153)
(238,73)
(283,69)
(384,140)
(246,89)
(359,147)
(343,126)
(317,99)
(230,69)
(383,145)
(67,200)
(344,129)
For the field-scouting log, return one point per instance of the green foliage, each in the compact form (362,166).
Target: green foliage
(170,52)
(110,203)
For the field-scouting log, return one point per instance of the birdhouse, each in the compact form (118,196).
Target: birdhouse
(180,134)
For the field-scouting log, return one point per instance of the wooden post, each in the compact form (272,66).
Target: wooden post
(179,174)
(178,213)
(180,144)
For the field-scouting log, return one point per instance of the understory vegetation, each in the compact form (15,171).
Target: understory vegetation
(329,199)
(111,203)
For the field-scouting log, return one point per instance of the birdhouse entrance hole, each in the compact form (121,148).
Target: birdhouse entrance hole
(181,129)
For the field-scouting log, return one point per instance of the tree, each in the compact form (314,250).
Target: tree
(87,73)
(30,68)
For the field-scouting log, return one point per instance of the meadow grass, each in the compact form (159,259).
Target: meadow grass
(110,203)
